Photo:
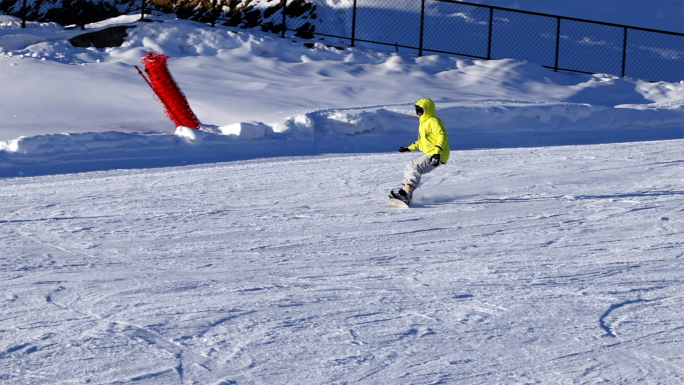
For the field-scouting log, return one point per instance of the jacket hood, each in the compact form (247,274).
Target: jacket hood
(427,105)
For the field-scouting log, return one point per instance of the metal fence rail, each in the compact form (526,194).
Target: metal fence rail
(465,29)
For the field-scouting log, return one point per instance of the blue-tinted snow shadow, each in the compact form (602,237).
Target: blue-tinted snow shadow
(488,140)
(180,154)
(220,148)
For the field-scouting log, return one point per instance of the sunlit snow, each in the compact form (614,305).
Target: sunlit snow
(261,250)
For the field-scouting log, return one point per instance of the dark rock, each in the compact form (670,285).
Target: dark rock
(108,37)
(297,8)
(305,31)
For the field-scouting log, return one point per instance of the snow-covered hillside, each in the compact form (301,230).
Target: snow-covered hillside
(260,249)
(90,109)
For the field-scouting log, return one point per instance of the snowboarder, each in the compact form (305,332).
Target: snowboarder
(432,141)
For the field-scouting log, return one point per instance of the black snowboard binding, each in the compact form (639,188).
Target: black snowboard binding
(401,195)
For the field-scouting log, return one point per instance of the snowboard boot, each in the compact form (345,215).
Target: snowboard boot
(402,195)
(408,189)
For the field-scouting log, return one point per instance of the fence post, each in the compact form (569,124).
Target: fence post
(353,35)
(489,42)
(282,34)
(422,26)
(558,25)
(214,13)
(624,52)
(82,14)
(23,14)
(142,10)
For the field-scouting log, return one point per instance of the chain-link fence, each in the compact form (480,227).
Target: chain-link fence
(479,31)
(434,26)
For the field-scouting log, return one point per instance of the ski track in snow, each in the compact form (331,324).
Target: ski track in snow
(547,265)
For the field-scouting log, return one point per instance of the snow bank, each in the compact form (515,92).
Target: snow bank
(474,124)
(247,130)
(15,38)
(519,117)
(84,143)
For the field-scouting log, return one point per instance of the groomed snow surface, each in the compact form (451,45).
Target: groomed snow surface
(551,265)
(261,250)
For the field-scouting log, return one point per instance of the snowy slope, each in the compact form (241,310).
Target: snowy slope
(552,265)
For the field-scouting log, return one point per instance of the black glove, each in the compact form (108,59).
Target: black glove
(404,149)
(434,160)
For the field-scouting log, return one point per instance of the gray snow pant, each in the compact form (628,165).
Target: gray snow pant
(416,168)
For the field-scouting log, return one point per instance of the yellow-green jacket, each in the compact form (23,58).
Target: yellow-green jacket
(432,135)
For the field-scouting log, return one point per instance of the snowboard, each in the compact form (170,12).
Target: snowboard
(396,202)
